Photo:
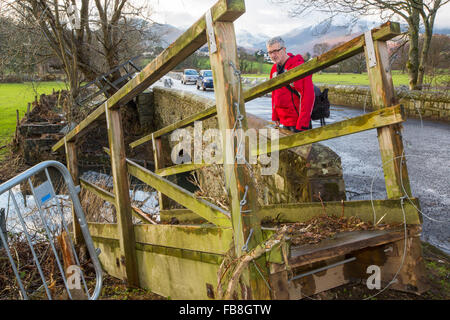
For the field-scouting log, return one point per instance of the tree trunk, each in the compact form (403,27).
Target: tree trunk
(413,55)
(429,24)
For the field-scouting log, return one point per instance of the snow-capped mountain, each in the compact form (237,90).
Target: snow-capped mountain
(251,41)
(298,40)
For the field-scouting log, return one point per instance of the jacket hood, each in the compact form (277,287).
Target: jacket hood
(297,59)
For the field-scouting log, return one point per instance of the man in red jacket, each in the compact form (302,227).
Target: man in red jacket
(292,104)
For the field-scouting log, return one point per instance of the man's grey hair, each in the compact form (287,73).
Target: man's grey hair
(275,40)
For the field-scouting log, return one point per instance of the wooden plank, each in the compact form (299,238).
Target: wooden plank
(197,238)
(387,31)
(110,256)
(183,47)
(389,138)
(240,186)
(390,211)
(105,195)
(407,268)
(122,197)
(203,208)
(72,166)
(182,168)
(379,118)
(181,215)
(108,196)
(202,115)
(343,243)
(325,280)
(366,210)
(279,285)
(176,277)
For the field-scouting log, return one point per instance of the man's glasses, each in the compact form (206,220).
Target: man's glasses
(275,51)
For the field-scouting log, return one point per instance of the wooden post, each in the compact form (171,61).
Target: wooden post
(239,184)
(72,166)
(159,164)
(122,196)
(389,137)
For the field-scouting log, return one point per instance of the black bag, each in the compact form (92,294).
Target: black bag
(321,108)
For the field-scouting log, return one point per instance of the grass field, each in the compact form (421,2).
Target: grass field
(15,96)
(399,79)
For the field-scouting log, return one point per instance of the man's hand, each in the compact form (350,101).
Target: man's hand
(277,124)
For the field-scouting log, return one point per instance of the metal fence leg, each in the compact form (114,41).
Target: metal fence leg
(3,225)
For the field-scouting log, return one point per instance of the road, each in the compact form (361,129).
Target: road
(428,159)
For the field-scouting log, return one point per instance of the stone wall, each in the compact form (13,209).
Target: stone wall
(303,171)
(417,104)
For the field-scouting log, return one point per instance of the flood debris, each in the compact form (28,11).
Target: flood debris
(325,227)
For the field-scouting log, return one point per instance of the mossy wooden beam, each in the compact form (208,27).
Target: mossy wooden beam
(72,165)
(376,119)
(373,120)
(164,172)
(390,137)
(239,181)
(122,197)
(103,194)
(203,208)
(387,31)
(183,47)
(366,210)
(181,215)
(196,238)
(202,115)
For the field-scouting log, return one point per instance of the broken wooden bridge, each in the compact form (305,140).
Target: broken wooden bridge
(182,261)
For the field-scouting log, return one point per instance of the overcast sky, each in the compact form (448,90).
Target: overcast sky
(261,16)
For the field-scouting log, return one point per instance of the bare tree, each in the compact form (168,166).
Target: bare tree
(437,63)
(413,12)
(21,50)
(320,48)
(89,37)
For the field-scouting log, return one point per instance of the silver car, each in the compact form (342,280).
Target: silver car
(189,75)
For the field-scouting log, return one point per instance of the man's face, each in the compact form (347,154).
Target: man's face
(277,53)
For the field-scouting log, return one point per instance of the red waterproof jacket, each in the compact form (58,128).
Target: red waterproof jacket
(283,100)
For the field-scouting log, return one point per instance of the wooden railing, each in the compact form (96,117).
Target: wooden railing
(240,186)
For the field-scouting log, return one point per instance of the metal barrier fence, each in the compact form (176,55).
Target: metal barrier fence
(51,215)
